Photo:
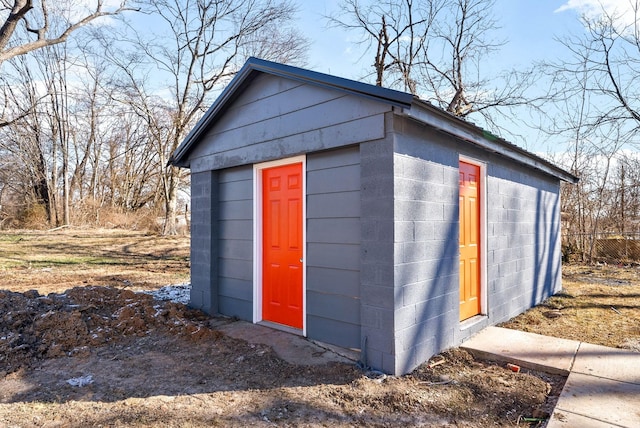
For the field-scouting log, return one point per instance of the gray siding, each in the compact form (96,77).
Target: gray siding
(277,118)
(381,221)
(333,247)
(235,246)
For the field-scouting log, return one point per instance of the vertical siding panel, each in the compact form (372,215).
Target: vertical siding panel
(333,247)
(235,246)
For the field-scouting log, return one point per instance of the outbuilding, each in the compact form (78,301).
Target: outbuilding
(364,217)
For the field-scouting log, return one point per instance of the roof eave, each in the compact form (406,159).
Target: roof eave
(445,122)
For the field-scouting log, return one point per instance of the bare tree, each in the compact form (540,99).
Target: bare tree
(604,63)
(202,47)
(435,49)
(29,25)
(596,107)
(395,32)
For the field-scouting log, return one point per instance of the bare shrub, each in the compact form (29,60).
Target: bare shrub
(31,216)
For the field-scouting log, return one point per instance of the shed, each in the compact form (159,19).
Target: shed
(364,217)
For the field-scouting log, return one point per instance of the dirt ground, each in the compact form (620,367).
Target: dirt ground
(100,354)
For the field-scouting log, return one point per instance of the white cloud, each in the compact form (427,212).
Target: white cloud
(622,10)
(596,7)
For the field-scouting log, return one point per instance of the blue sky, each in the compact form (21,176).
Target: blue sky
(530,28)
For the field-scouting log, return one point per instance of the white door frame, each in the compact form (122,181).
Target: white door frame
(257,235)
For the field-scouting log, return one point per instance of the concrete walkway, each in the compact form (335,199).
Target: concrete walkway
(292,348)
(603,384)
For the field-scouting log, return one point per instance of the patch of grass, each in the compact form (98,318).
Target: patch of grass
(599,304)
(11,238)
(70,261)
(56,261)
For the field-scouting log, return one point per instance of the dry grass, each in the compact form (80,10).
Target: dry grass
(598,304)
(56,261)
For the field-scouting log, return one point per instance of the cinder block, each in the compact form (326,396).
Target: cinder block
(373,274)
(415,251)
(389,362)
(436,306)
(376,254)
(404,231)
(377,296)
(381,340)
(375,318)
(374,358)
(426,230)
(405,361)
(377,207)
(418,211)
(404,317)
(413,293)
(408,273)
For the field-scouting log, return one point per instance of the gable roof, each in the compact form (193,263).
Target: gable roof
(253,67)
(409,105)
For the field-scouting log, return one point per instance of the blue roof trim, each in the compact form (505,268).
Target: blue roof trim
(244,76)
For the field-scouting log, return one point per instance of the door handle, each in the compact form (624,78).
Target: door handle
(301,260)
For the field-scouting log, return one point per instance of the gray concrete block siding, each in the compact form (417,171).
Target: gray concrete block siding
(204,236)
(523,240)
(382,217)
(426,256)
(377,249)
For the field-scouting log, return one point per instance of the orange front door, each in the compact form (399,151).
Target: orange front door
(282,245)
(469,240)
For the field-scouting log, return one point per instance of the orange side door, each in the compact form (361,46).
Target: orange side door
(282,245)
(469,240)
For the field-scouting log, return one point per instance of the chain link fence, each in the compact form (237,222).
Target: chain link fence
(602,247)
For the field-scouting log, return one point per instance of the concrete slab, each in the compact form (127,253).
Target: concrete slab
(563,419)
(293,348)
(600,400)
(611,363)
(528,350)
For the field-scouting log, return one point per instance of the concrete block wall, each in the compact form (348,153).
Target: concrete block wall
(523,228)
(377,254)
(204,241)
(425,257)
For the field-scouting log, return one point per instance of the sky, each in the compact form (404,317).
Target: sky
(530,27)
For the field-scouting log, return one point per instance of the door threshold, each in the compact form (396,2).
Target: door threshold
(470,322)
(281,327)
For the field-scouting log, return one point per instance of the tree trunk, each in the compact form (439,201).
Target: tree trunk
(171,203)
